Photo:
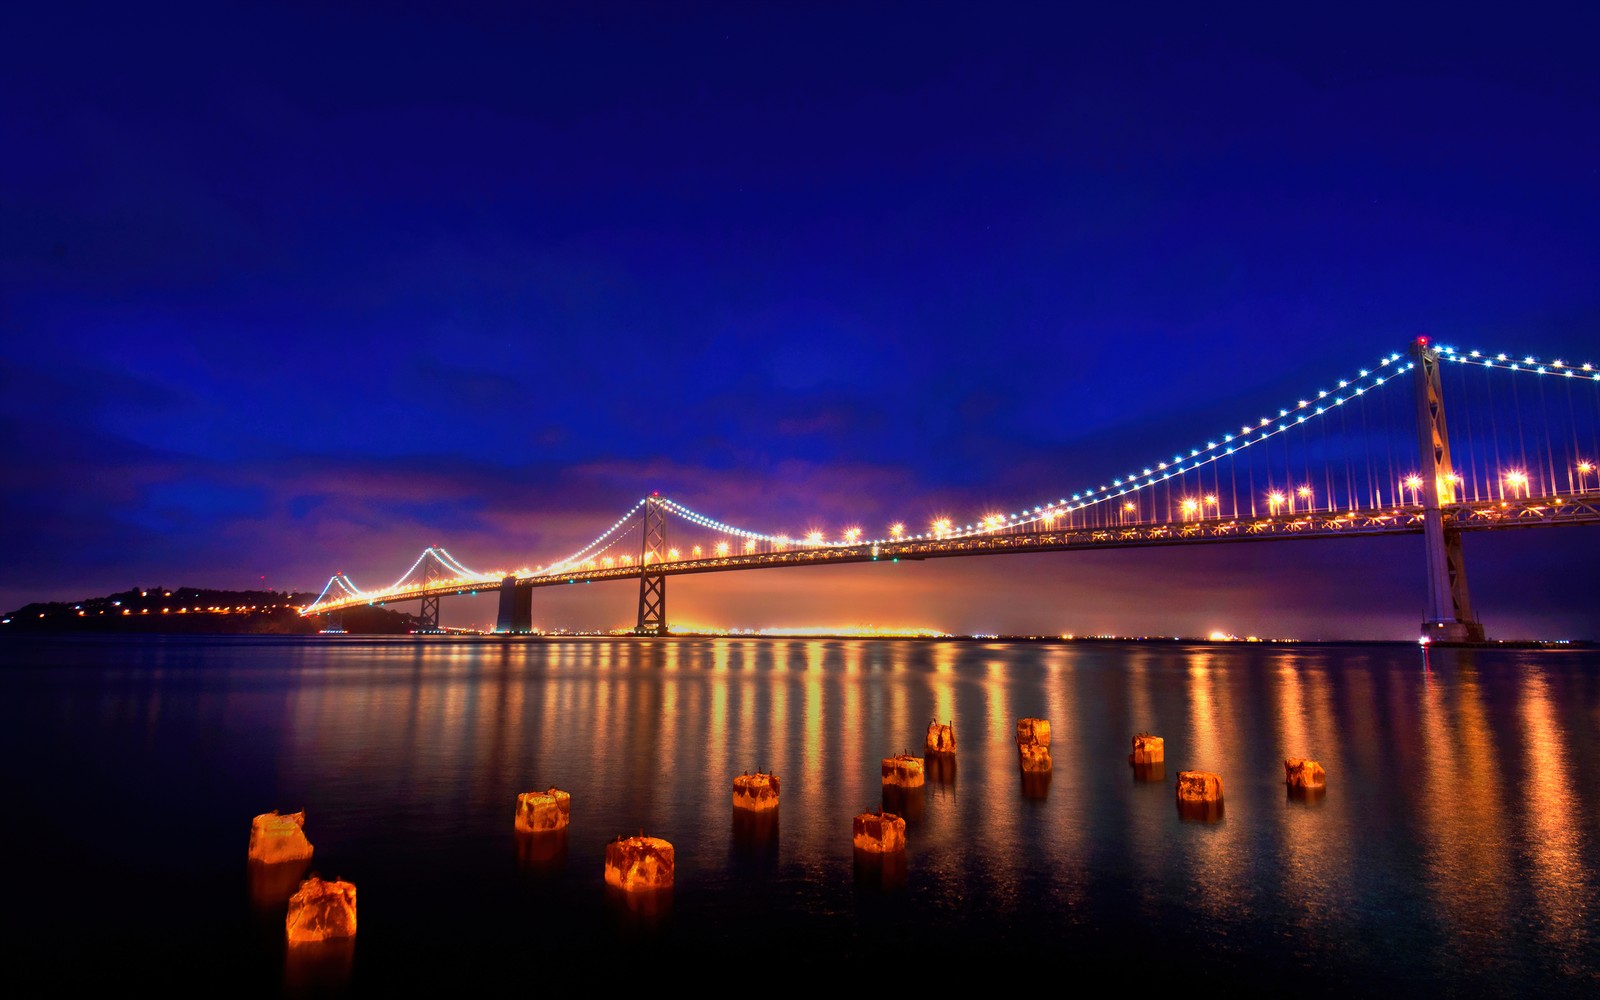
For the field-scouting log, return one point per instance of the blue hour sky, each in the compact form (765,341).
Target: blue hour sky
(295,288)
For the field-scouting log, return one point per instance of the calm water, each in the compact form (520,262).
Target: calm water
(1455,850)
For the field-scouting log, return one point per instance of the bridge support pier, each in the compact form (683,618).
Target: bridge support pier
(652,585)
(516,608)
(1449,608)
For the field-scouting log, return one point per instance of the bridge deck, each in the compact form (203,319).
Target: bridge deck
(1480,515)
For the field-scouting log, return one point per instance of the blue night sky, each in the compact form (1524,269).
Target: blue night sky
(294,288)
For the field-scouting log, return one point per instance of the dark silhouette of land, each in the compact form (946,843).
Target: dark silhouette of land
(197,610)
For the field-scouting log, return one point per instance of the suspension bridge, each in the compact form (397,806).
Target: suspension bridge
(1369,454)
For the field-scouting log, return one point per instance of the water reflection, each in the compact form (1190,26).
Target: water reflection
(813,715)
(318,968)
(1291,712)
(272,885)
(755,836)
(1035,784)
(1144,774)
(1304,796)
(941,772)
(1205,717)
(909,804)
(1200,812)
(880,871)
(1562,882)
(543,853)
(1456,840)
(943,682)
(1214,859)
(718,759)
(1462,807)
(1295,739)
(638,915)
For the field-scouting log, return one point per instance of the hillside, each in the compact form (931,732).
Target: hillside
(195,610)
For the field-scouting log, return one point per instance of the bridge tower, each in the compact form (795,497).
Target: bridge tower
(1449,609)
(516,607)
(652,585)
(429,619)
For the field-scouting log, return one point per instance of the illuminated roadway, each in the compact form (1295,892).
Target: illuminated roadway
(1476,515)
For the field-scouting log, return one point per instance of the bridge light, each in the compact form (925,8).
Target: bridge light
(814,538)
(896,530)
(851,534)
(750,545)
(1275,500)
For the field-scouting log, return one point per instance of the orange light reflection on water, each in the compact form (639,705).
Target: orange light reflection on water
(1209,851)
(1562,882)
(649,734)
(1462,807)
(1314,866)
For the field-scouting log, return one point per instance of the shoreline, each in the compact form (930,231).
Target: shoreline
(487,638)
